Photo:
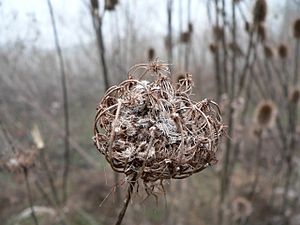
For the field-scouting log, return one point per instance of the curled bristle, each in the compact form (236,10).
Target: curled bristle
(259,11)
(297,29)
(265,114)
(282,51)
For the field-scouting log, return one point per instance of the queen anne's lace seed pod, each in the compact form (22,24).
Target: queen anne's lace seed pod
(153,130)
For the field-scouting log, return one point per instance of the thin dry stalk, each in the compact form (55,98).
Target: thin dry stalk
(130,189)
(170,31)
(29,194)
(65,103)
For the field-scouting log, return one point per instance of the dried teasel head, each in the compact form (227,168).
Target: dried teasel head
(148,127)
(282,51)
(297,29)
(294,96)
(259,11)
(218,32)
(268,51)
(22,160)
(110,5)
(213,48)
(242,208)
(265,114)
(151,54)
(185,37)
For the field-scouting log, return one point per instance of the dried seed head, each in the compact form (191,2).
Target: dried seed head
(185,37)
(268,52)
(247,26)
(153,129)
(110,5)
(242,208)
(294,96)
(282,51)
(94,4)
(190,28)
(218,32)
(22,160)
(213,48)
(151,54)
(265,114)
(297,29)
(261,32)
(259,11)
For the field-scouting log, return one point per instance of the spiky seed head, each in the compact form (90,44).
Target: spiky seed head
(151,54)
(297,29)
(268,52)
(265,114)
(185,37)
(282,51)
(218,32)
(213,48)
(259,11)
(294,96)
(110,5)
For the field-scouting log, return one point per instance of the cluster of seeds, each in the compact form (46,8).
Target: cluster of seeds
(152,130)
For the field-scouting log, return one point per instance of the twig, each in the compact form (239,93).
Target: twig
(25,172)
(65,103)
(128,197)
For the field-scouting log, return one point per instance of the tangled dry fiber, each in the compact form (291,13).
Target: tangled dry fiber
(151,129)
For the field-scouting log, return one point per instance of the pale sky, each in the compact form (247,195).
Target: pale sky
(28,20)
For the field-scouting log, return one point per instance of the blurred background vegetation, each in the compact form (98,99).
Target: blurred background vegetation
(59,57)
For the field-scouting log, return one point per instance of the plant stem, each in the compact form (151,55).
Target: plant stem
(128,197)
(65,103)
(25,171)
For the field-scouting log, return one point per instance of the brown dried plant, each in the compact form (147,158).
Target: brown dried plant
(151,130)
(154,129)
(296,30)
(259,11)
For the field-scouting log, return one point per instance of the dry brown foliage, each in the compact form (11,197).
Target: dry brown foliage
(153,130)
